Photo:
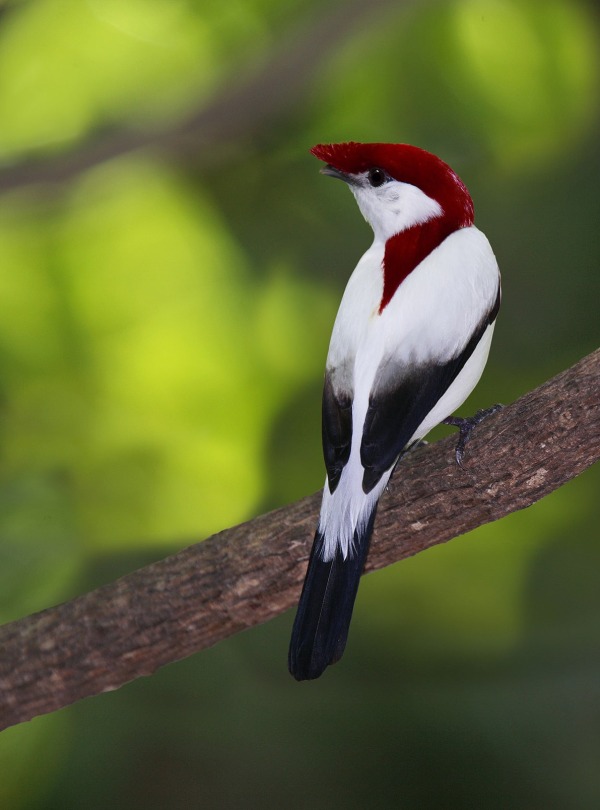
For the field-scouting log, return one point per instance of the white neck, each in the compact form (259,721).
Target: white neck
(394,207)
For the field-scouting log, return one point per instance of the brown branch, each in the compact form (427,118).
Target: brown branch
(245,108)
(246,575)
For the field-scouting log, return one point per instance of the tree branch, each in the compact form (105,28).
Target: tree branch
(248,574)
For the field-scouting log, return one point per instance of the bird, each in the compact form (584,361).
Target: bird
(409,344)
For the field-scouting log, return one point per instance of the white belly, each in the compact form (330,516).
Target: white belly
(429,320)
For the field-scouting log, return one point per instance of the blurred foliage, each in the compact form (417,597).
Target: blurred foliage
(517,81)
(69,67)
(164,321)
(148,373)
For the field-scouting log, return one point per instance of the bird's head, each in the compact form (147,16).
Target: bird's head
(398,186)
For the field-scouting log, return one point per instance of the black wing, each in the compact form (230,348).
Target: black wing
(337,430)
(400,402)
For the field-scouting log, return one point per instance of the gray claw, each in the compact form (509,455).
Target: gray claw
(465,426)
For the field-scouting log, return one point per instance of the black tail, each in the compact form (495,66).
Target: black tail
(325,607)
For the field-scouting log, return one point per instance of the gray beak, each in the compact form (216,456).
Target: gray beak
(331,171)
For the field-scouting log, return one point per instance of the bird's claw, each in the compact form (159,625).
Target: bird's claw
(465,426)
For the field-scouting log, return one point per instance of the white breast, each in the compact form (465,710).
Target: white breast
(429,319)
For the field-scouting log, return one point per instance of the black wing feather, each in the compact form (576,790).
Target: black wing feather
(337,430)
(402,400)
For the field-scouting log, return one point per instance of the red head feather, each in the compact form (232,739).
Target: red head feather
(407,164)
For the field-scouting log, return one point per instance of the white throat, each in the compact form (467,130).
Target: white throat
(394,207)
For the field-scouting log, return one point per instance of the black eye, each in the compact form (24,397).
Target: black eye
(377,177)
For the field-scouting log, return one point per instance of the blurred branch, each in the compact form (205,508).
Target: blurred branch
(240,111)
(248,574)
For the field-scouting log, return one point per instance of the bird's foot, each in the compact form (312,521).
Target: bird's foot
(466,426)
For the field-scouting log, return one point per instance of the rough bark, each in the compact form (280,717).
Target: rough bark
(246,575)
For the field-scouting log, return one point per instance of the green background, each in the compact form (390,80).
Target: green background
(170,266)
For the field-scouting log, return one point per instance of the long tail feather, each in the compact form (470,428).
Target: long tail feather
(325,608)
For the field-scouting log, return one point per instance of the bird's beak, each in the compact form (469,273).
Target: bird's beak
(331,171)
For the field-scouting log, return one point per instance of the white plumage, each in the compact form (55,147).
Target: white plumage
(430,318)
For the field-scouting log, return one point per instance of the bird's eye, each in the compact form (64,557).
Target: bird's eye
(377,177)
